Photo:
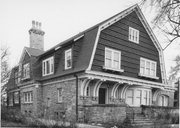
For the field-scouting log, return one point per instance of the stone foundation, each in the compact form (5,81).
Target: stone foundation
(102,113)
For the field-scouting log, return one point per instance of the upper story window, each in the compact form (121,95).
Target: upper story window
(28,97)
(48,66)
(26,71)
(133,35)
(59,95)
(113,59)
(16,97)
(16,77)
(68,59)
(148,68)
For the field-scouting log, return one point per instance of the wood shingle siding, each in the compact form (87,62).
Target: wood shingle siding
(116,37)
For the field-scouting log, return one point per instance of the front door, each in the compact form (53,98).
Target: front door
(102,95)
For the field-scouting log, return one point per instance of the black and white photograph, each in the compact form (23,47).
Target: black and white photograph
(90,63)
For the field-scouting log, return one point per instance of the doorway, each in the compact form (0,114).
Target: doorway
(102,95)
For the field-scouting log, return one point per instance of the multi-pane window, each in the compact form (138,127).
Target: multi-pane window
(26,71)
(112,59)
(16,97)
(133,35)
(147,68)
(28,97)
(48,66)
(60,98)
(68,59)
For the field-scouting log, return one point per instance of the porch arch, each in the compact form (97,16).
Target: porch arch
(96,88)
(123,91)
(84,86)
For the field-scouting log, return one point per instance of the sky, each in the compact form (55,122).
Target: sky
(62,19)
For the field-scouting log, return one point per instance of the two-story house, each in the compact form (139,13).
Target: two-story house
(100,71)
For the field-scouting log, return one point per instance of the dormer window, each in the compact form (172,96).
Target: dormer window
(133,35)
(26,71)
(68,59)
(148,68)
(48,66)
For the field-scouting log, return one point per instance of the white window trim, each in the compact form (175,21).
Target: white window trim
(51,71)
(148,76)
(69,50)
(114,69)
(30,99)
(60,99)
(136,31)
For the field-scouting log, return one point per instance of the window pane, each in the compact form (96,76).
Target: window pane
(116,56)
(108,54)
(47,67)
(116,65)
(108,63)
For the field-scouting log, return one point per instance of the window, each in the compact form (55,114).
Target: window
(48,66)
(133,35)
(88,91)
(16,77)
(68,59)
(16,97)
(112,59)
(147,68)
(129,96)
(28,97)
(163,100)
(59,95)
(26,71)
(10,99)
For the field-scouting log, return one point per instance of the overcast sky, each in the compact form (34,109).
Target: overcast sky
(61,19)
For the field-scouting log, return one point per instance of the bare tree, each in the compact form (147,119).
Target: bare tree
(167,17)
(175,71)
(5,72)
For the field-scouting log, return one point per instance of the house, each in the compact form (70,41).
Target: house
(95,75)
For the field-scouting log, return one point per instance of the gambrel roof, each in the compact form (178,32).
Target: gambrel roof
(91,36)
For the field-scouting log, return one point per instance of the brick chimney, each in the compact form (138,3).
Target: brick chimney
(36,36)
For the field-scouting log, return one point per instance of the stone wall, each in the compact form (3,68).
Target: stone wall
(59,110)
(104,113)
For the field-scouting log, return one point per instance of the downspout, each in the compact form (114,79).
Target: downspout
(76,97)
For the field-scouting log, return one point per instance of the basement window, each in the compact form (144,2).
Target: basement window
(48,66)
(59,95)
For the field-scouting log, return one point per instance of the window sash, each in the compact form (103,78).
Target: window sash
(112,58)
(48,66)
(26,70)
(68,59)
(133,35)
(28,97)
(147,67)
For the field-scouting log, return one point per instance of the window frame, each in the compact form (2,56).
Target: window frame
(66,56)
(26,71)
(60,97)
(51,66)
(16,95)
(133,35)
(112,67)
(28,97)
(145,74)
